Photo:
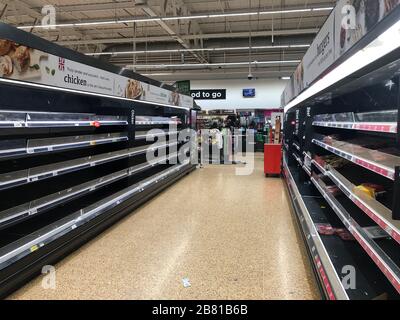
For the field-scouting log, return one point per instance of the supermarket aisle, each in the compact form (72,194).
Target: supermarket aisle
(232,236)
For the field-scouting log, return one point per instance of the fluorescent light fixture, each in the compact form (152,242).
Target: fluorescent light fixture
(322,9)
(381,46)
(158,19)
(184,17)
(226,15)
(117,53)
(94,23)
(43,86)
(138,20)
(287,11)
(285,78)
(202,65)
(299,46)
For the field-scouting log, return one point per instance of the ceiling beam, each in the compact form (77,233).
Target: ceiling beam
(89,7)
(271,73)
(37,15)
(170,30)
(97,6)
(194,36)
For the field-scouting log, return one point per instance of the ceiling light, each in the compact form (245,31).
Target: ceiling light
(184,17)
(381,46)
(201,65)
(238,14)
(158,19)
(117,53)
(285,78)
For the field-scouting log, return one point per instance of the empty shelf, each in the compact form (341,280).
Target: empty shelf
(373,208)
(21,147)
(17,178)
(38,239)
(32,119)
(386,127)
(373,160)
(297,158)
(64,143)
(27,210)
(145,121)
(377,254)
(140,135)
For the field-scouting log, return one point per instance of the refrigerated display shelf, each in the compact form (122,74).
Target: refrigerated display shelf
(149,121)
(385,127)
(358,176)
(388,267)
(18,178)
(307,170)
(38,239)
(332,286)
(141,135)
(21,147)
(38,206)
(32,119)
(302,165)
(65,143)
(376,121)
(330,254)
(298,159)
(317,165)
(373,160)
(152,123)
(296,146)
(373,208)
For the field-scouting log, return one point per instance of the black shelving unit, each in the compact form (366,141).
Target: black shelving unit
(341,165)
(71,164)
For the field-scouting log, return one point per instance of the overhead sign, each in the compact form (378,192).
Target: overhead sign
(183,87)
(208,94)
(355,21)
(350,21)
(23,63)
(321,53)
(298,79)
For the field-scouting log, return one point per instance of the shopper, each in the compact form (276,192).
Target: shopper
(216,140)
(227,144)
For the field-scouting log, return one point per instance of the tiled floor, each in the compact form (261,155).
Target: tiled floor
(232,236)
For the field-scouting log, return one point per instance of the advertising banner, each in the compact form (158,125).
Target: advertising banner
(183,86)
(19,62)
(208,94)
(298,79)
(287,93)
(321,53)
(355,18)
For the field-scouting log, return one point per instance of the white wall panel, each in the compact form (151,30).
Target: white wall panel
(268,93)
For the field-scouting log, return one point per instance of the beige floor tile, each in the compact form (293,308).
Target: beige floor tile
(233,237)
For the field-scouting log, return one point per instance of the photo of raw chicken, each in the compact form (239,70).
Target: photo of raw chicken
(21,58)
(175,98)
(18,61)
(6,66)
(5,47)
(133,89)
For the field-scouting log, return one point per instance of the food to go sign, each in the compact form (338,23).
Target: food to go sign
(208,94)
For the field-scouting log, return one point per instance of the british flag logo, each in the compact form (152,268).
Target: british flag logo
(61,64)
